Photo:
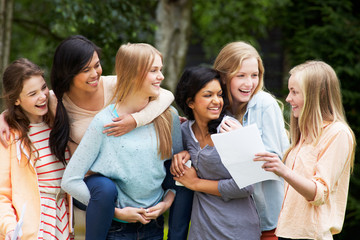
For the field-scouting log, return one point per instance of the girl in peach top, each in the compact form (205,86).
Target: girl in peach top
(319,161)
(30,174)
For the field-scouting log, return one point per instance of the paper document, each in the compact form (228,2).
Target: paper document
(237,150)
(17,232)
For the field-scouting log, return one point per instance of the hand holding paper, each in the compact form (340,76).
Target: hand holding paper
(237,150)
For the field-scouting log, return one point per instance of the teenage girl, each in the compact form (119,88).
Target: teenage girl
(132,161)
(30,174)
(319,161)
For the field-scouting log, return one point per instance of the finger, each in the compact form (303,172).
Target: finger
(233,124)
(110,125)
(143,220)
(177,169)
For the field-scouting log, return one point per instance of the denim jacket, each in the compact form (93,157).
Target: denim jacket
(264,110)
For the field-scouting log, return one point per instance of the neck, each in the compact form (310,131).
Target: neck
(200,128)
(92,101)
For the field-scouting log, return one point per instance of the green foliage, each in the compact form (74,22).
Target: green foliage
(218,22)
(108,23)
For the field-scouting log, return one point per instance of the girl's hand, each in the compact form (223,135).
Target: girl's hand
(189,178)
(272,163)
(229,125)
(182,119)
(4,130)
(177,167)
(155,211)
(120,125)
(131,215)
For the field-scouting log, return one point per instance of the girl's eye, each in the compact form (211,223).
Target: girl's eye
(240,76)
(255,75)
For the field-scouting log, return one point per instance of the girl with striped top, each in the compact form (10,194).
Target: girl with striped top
(30,175)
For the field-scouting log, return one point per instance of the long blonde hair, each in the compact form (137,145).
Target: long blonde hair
(228,63)
(320,87)
(133,62)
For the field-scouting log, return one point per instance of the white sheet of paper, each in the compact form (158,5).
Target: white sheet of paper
(237,150)
(17,231)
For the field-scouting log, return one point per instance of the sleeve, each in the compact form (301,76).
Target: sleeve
(7,212)
(333,160)
(81,162)
(230,190)
(154,108)
(274,134)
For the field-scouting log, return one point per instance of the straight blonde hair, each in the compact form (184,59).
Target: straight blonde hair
(228,63)
(133,62)
(320,87)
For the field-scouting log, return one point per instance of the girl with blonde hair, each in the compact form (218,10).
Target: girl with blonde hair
(319,161)
(242,71)
(132,161)
(30,173)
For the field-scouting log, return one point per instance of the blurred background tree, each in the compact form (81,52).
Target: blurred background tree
(191,32)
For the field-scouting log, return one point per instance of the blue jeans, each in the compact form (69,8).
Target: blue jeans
(154,230)
(101,207)
(180,210)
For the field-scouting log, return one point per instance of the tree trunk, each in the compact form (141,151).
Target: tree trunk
(172,37)
(6,10)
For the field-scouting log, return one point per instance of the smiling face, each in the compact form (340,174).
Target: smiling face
(34,98)
(88,79)
(244,83)
(295,96)
(208,102)
(153,79)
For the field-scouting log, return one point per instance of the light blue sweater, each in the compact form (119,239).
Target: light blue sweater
(131,161)
(264,110)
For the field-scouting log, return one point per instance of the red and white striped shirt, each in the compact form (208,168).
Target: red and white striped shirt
(54,207)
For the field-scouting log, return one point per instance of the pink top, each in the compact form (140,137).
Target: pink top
(328,165)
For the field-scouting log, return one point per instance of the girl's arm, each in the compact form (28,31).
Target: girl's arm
(7,212)
(81,162)
(333,161)
(193,182)
(155,211)
(126,123)
(302,185)
(274,134)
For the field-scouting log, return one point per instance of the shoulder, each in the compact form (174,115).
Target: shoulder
(263,98)
(109,82)
(338,128)
(173,111)
(103,115)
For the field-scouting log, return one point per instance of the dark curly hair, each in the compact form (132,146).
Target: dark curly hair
(192,80)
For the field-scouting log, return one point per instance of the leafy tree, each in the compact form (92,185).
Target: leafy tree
(39,28)
(219,22)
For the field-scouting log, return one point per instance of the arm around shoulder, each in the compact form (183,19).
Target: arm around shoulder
(154,108)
